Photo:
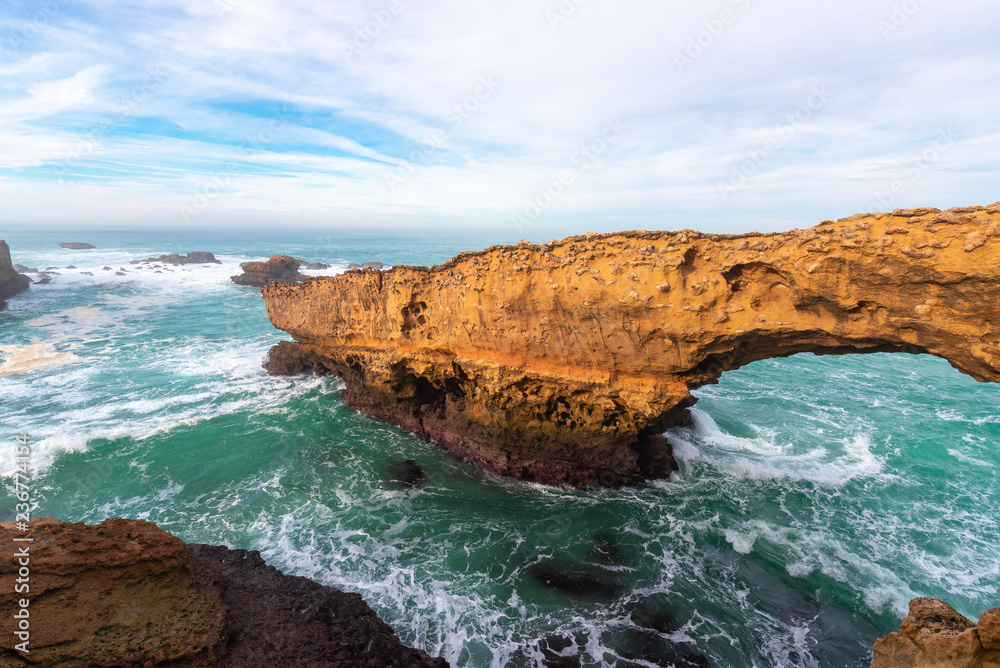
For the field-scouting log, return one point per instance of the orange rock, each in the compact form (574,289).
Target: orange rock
(559,362)
(934,635)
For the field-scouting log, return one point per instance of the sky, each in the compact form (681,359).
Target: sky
(529,115)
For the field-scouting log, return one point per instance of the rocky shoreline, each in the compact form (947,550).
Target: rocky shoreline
(126,593)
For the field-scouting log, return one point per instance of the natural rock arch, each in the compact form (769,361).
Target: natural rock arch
(564,362)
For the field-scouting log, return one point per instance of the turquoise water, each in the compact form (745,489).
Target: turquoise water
(816,496)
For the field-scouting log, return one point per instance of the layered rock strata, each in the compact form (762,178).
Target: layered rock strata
(279,269)
(934,635)
(564,362)
(11,282)
(126,593)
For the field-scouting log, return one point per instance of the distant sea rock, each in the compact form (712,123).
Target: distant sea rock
(279,269)
(196,257)
(12,282)
(127,593)
(73,245)
(365,265)
(21,269)
(313,266)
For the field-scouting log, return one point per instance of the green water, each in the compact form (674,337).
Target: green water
(816,495)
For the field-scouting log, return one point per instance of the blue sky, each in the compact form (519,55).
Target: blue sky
(561,115)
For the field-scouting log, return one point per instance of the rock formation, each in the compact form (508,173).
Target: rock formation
(195,257)
(365,265)
(72,245)
(279,269)
(934,635)
(11,282)
(564,362)
(126,593)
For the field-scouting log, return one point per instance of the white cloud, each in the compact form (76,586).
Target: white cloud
(744,66)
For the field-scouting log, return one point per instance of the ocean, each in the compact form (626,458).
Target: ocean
(816,496)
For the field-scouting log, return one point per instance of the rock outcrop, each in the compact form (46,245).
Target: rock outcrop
(934,635)
(126,593)
(11,282)
(279,269)
(73,245)
(194,257)
(564,362)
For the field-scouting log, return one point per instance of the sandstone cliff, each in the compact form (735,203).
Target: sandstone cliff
(934,635)
(126,593)
(563,362)
(11,282)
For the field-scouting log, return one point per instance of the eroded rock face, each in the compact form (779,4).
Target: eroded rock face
(126,593)
(11,282)
(934,635)
(563,362)
(279,269)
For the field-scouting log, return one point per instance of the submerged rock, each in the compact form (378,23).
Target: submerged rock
(279,269)
(126,593)
(407,473)
(934,635)
(564,362)
(71,245)
(575,583)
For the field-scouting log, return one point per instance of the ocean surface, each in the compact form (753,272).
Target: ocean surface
(816,497)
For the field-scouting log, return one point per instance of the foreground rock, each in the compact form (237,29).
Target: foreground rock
(126,593)
(934,635)
(75,246)
(564,362)
(195,257)
(11,282)
(279,269)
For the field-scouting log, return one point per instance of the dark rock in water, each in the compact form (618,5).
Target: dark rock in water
(44,279)
(291,359)
(408,473)
(3,304)
(11,281)
(646,647)
(606,550)
(69,266)
(21,269)
(51,268)
(86,273)
(575,583)
(654,614)
(365,265)
(554,649)
(119,273)
(127,593)
(106,268)
(136,261)
(279,269)
(75,246)
(313,266)
(194,257)
(157,272)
